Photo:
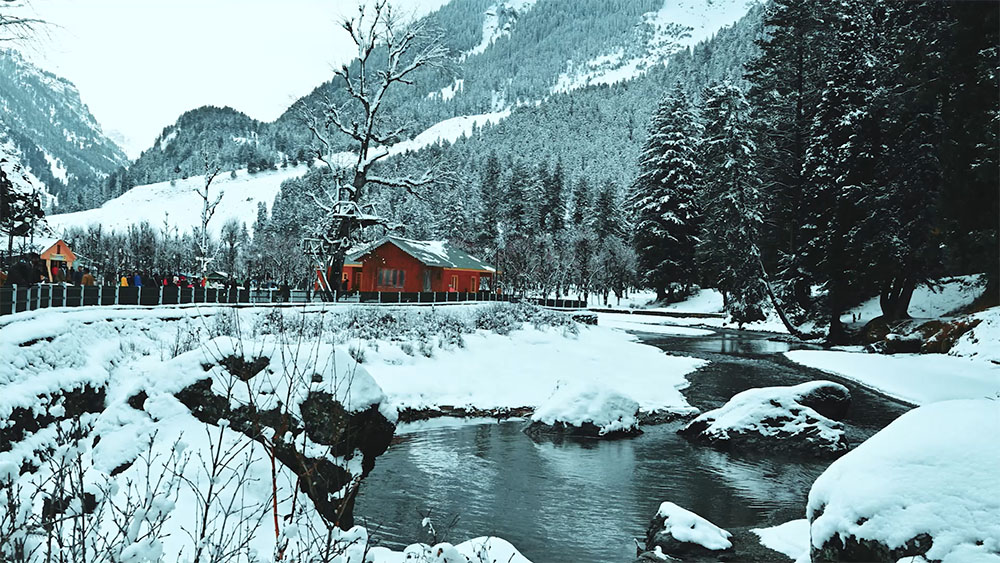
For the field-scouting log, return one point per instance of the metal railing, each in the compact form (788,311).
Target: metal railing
(17,299)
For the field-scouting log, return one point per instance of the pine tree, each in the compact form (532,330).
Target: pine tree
(581,205)
(785,78)
(553,212)
(842,158)
(730,199)
(662,198)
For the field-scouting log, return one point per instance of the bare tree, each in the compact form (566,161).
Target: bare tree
(390,52)
(212,169)
(14,26)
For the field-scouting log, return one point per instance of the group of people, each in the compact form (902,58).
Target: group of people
(31,270)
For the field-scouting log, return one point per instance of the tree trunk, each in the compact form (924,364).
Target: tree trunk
(895,299)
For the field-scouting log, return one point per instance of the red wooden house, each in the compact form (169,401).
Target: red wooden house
(399,264)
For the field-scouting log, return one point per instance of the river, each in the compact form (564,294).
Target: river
(584,500)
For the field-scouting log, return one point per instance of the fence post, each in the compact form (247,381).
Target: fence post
(117,288)
(380,297)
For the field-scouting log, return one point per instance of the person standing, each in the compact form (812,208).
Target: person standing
(136,280)
(78,276)
(124,281)
(87,280)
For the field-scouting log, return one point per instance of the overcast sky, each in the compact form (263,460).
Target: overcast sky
(139,64)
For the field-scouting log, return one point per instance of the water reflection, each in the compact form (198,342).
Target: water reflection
(578,500)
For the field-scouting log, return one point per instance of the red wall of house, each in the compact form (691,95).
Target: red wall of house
(464,280)
(389,256)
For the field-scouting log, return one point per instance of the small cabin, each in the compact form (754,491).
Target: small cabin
(54,252)
(404,265)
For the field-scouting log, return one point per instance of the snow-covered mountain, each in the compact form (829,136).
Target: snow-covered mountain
(515,59)
(58,139)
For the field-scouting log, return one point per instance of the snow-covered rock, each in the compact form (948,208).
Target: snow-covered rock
(676,531)
(472,551)
(925,485)
(586,409)
(789,418)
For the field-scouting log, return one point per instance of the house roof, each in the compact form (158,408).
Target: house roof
(437,253)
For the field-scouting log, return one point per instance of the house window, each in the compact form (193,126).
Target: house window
(391,278)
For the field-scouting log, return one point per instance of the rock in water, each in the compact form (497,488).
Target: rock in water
(678,532)
(925,485)
(586,410)
(787,418)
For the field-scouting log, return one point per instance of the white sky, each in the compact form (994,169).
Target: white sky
(140,64)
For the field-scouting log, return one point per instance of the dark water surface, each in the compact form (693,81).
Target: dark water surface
(583,500)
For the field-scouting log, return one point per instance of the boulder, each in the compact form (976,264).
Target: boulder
(585,410)
(925,485)
(674,531)
(783,418)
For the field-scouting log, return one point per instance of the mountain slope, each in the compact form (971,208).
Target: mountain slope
(59,140)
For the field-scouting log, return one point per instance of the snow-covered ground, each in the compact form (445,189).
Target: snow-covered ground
(158,352)
(929,301)
(524,368)
(915,378)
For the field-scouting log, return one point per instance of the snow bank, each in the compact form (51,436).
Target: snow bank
(524,368)
(139,438)
(647,323)
(932,471)
(772,417)
(687,527)
(983,341)
(790,538)
(577,405)
(914,378)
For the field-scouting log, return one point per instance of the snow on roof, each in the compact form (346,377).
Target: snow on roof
(40,245)
(437,253)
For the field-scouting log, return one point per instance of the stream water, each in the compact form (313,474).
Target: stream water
(584,500)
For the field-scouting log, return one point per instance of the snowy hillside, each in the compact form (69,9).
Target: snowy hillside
(179,206)
(679,24)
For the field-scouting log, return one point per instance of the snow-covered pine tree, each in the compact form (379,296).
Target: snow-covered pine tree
(661,201)
(842,157)
(785,82)
(900,232)
(729,199)
(553,213)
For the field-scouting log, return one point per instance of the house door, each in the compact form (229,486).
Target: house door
(427,280)
(454,284)
(357,282)
(473,284)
